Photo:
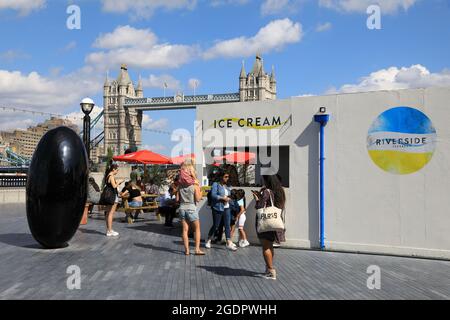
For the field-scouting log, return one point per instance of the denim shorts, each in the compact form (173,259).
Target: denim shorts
(189,215)
(135,204)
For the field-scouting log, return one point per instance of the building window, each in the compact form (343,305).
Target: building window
(245,175)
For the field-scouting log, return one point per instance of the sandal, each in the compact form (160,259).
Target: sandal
(200,253)
(186,253)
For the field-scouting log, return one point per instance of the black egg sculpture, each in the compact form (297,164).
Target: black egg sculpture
(57,187)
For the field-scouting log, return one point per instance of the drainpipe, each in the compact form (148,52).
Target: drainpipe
(322,117)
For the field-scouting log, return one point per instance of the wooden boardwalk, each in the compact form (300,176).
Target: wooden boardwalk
(147,262)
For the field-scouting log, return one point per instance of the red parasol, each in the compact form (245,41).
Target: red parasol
(181,159)
(143,157)
(237,157)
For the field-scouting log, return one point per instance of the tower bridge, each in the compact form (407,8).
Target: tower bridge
(179,101)
(124,104)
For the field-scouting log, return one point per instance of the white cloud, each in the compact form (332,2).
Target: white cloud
(34,89)
(10,121)
(70,46)
(306,95)
(322,27)
(360,6)
(272,7)
(274,36)
(154,148)
(194,83)
(55,71)
(218,3)
(416,76)
(149,123)
(138,48)
(140,9)
(12,55)
(159,82)
(77,118)
(55,94)
(141,49)
(126,36)
(23,6)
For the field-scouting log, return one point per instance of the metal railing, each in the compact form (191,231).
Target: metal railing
(13,182)
(182,99)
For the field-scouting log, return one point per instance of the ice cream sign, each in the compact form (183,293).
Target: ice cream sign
(260,123)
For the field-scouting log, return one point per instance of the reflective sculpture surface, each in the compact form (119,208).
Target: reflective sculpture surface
(57,187)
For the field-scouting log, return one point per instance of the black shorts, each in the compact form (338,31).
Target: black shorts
(269,236)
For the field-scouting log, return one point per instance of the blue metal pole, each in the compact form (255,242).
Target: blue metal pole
(322,192)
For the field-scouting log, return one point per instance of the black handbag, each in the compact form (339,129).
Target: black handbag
(108,196)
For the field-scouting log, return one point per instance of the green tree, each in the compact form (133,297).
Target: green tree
(157,174)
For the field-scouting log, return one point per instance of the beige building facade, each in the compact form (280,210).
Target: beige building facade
(24,142)
(122,126)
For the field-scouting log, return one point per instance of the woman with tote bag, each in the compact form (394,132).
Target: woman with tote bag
(270,203)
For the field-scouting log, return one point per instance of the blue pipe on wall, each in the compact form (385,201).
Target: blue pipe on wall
(322,119)
(322,193)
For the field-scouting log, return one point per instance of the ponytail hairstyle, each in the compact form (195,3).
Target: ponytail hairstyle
(110,169)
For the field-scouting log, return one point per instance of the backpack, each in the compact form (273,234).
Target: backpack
(209,198)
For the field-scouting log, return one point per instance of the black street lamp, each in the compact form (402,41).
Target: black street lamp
(87,105)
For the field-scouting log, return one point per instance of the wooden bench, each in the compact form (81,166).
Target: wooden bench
(129,210)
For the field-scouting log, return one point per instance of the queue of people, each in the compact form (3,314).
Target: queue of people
(228,209)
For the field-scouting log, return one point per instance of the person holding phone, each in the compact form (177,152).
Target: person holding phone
(110,179)
(220,205)
(272,191)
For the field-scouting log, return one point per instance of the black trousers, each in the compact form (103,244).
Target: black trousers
(169,213)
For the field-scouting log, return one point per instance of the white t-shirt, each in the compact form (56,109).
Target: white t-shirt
(227,204)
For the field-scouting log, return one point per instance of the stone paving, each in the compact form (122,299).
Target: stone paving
(147,262)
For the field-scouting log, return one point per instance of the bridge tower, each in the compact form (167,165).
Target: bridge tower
(123,126)
(257,85)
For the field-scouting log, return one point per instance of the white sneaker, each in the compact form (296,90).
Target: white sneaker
(271,275)
(245,243)
(208,244)
(241,243)
(112,233)
(231,247)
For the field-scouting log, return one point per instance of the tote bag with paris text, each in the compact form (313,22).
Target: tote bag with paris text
(269,218)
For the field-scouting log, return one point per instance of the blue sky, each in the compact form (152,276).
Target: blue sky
(45,66)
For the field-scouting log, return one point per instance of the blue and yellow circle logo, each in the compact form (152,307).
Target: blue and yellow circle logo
(401,140)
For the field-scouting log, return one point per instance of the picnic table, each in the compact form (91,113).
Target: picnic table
(149,204)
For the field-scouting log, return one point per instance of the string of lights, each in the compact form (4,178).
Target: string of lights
(160,131)
(42,113)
